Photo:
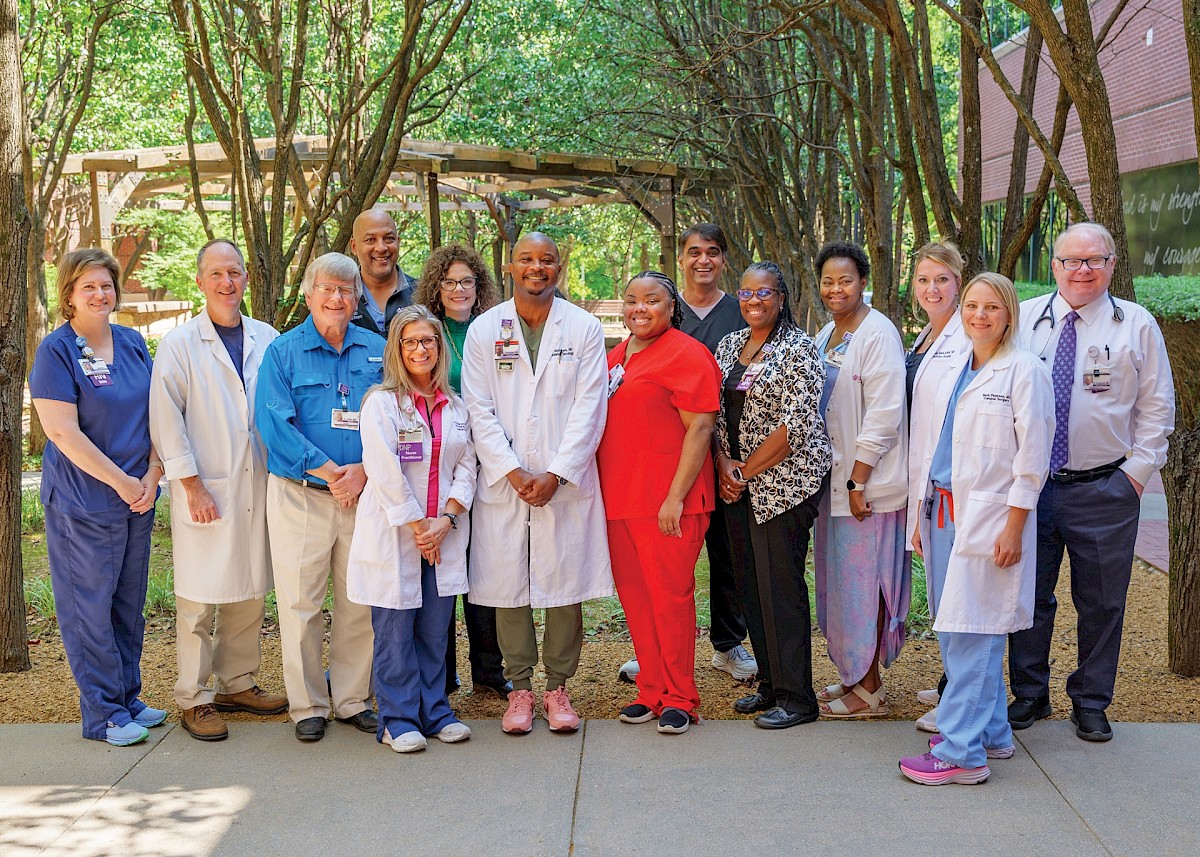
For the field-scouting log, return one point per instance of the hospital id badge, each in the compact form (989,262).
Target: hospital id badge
(616,377)
(750,376)
(507,349)
(97,372)
(1097,380)
(347,420)
(409,445)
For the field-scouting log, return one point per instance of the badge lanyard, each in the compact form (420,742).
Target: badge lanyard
(837,356)
(94,368)
(507,347)
(755,369)
(344,418)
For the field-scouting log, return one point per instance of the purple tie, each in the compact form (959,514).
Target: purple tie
(1063,376)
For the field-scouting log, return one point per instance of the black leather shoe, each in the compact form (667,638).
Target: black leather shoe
(1091,724)
(780,718)
(365,721)
(498,686)
(755,702)
(310,729)
(1024,711)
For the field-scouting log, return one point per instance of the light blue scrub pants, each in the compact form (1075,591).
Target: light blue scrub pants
(972,714)
(98,569)
(410,663)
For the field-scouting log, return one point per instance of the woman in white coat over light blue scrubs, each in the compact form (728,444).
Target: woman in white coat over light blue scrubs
(936,279)
(408,559)
(984,467)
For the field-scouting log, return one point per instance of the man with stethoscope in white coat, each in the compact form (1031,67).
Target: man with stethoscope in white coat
(1114,409)
(534,380)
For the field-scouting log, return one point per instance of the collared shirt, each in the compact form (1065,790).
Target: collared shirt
(299,387)
(1136,414)
(370,317)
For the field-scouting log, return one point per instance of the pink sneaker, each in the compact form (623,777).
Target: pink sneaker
(558,711)
(518,720)
(929,770)
(992,752)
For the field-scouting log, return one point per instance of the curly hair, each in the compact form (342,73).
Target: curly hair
(668,284)
(844,250)
(429,289)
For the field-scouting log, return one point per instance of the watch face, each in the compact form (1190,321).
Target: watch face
(850,485)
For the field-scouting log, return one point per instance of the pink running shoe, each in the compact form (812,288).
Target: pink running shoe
(558,711)
(929,770)
(992,752)
(518,720)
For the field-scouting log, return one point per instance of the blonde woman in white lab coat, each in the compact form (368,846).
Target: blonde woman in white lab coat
(987,455)
(408,557)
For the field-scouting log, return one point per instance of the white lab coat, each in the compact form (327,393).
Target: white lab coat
(384,569)
(547,418)
(202,424)
(1003,428)
(941,355)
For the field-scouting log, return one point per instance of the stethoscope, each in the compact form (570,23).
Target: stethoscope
(1048,312)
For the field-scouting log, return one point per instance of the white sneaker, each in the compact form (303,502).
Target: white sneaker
(738,662)
(452,733)
(629,671)
(407,742)
(927,722)
(929,697)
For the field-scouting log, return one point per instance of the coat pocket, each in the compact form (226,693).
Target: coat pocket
(996,427)
(982,522)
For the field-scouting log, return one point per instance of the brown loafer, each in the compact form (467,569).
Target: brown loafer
(204,724)
(253,700)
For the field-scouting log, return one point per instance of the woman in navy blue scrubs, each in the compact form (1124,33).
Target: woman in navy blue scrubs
(91,386)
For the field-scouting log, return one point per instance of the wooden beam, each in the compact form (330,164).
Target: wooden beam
(433,211)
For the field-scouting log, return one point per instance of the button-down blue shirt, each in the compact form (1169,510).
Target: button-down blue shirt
(298,392)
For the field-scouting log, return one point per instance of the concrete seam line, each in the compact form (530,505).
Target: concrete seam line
(578,787)
(1066,800)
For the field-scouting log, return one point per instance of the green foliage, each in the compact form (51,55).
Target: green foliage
(1170,298)
(177,236)
(33,516)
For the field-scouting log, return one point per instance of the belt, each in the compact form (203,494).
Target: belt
(320,486)
(1074,477)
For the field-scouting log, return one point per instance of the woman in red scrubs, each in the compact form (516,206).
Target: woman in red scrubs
(656,474)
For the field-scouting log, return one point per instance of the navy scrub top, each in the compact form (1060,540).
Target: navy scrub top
(115,418)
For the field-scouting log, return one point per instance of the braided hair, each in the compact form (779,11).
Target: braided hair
(668,284)
(785,321)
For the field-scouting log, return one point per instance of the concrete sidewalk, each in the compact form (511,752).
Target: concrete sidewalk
(612,789)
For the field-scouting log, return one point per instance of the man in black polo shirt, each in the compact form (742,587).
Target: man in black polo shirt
(386,289)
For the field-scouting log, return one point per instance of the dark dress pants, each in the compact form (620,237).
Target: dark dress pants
(487,664)
(728,623)
(769,559)
(1096,523)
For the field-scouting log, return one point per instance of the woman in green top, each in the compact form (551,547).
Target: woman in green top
(457,286)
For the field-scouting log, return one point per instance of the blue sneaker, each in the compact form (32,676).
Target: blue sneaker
(150,717)
(123,736)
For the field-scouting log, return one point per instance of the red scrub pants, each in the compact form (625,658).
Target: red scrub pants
(656,582)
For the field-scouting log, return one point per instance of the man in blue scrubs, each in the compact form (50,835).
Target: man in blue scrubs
(309,388)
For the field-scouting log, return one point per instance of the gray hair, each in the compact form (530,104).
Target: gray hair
(1097,229)
(335,266)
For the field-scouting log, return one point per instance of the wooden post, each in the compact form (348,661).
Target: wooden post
(433,211)
(101,235)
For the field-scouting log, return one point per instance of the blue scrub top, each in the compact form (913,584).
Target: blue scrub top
(942,464)
(115,418)
(298,391)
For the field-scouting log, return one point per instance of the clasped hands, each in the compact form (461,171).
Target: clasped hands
(345,481)
(429,533)
(536,490)
(729,486)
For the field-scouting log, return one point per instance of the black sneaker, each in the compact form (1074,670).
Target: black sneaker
(636,713)
(674,721)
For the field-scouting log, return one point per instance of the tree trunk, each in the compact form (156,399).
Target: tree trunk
(14,239)
(970,240)
(36,319)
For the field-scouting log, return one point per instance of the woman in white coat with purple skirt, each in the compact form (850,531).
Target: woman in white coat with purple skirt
(408,559)
(985,462)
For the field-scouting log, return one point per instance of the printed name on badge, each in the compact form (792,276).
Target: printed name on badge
(409,444)
(347,420)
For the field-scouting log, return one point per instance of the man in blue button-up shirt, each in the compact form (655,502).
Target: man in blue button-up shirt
(309,389)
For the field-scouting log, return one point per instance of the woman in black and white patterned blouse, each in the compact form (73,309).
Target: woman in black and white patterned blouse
(772,459)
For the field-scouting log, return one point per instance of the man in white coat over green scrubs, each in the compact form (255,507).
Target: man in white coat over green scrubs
(535,381)
(202,424)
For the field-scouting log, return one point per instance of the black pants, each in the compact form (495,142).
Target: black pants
(769,559)
(728,628)
(487,664)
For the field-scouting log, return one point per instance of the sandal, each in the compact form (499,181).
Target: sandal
(876,705)
(831,692)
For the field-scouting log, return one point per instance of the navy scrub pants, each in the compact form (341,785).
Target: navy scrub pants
(410,663)
(98,569)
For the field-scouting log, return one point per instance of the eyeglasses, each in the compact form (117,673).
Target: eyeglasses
(1094,263)
(326,290)
(429,343)
(464,284)
(761,294)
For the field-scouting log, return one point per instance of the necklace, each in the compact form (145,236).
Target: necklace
(453,347)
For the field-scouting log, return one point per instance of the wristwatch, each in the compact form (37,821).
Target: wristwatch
(561,480)
(453,519)
(851,485)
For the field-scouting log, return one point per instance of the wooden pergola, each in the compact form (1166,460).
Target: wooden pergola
(454,176)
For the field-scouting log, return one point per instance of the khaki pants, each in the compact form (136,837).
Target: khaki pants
(310,539)
(561,644)
(230,650)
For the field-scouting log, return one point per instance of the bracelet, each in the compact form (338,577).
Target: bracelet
(159,465)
